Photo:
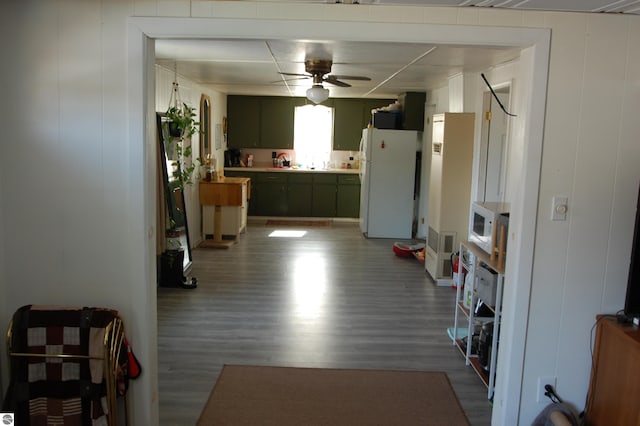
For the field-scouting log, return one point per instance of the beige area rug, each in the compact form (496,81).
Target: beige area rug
(254,395)
(305,223)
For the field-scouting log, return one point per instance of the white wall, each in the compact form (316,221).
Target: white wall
(74,195)
(71,231)
(591,154)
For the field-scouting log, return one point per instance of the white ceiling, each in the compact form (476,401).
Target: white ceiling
(252,67)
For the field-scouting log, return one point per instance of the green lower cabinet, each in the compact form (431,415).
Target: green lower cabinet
(325,187)
(302,194)
(272,199)
(271,194)
(324,200)
(348,201)
(300,198)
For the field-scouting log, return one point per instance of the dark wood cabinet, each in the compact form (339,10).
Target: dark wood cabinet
(614,389)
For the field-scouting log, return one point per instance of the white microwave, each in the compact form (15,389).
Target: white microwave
(484,217)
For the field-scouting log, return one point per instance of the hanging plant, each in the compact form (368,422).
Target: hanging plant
(182,126)
(182,122)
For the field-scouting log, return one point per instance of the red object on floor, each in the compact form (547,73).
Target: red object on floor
(403,250)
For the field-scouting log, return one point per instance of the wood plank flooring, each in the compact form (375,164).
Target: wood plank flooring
(329,299)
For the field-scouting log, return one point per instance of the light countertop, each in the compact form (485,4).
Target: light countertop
(289,170)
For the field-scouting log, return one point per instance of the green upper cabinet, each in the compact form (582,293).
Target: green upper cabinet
(412,110)
(260,122)
(268,122)
(370,104)
(243,121)
(349,118)
(347,124)
(276,123)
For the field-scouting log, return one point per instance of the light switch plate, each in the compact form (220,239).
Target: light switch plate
(559,207)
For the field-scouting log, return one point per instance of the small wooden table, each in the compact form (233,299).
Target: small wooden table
(226,191)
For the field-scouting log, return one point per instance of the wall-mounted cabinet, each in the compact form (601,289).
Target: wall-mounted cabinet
(243,121)
(350,117)
(268,122)
(276,122)
(260,122)
(412,104)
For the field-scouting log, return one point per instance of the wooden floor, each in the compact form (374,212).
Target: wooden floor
(329,299)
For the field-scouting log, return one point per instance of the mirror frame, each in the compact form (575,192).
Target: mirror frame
(205,128)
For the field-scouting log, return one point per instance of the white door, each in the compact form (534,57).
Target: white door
(494,144)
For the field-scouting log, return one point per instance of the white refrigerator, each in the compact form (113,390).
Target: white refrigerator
(387,177)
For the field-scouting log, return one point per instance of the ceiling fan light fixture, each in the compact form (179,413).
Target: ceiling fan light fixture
(317,94)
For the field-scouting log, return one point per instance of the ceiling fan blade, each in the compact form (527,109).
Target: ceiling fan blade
(282,80)
(332,80)
(296,74)
(350,77)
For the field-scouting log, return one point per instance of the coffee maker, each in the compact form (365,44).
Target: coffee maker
(232,157)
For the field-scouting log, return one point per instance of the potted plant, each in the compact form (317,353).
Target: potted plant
(182,125)
(182,122)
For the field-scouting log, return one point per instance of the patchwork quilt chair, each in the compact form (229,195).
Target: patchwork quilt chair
(68,366)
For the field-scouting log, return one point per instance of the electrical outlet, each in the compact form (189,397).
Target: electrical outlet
(542,381)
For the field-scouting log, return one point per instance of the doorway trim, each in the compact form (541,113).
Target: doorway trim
(535,43)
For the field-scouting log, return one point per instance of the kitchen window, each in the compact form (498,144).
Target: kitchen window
(313,134)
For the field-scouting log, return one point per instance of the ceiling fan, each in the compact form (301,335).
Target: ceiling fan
(318,70)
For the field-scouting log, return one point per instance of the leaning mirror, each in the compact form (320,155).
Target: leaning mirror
(174,244)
